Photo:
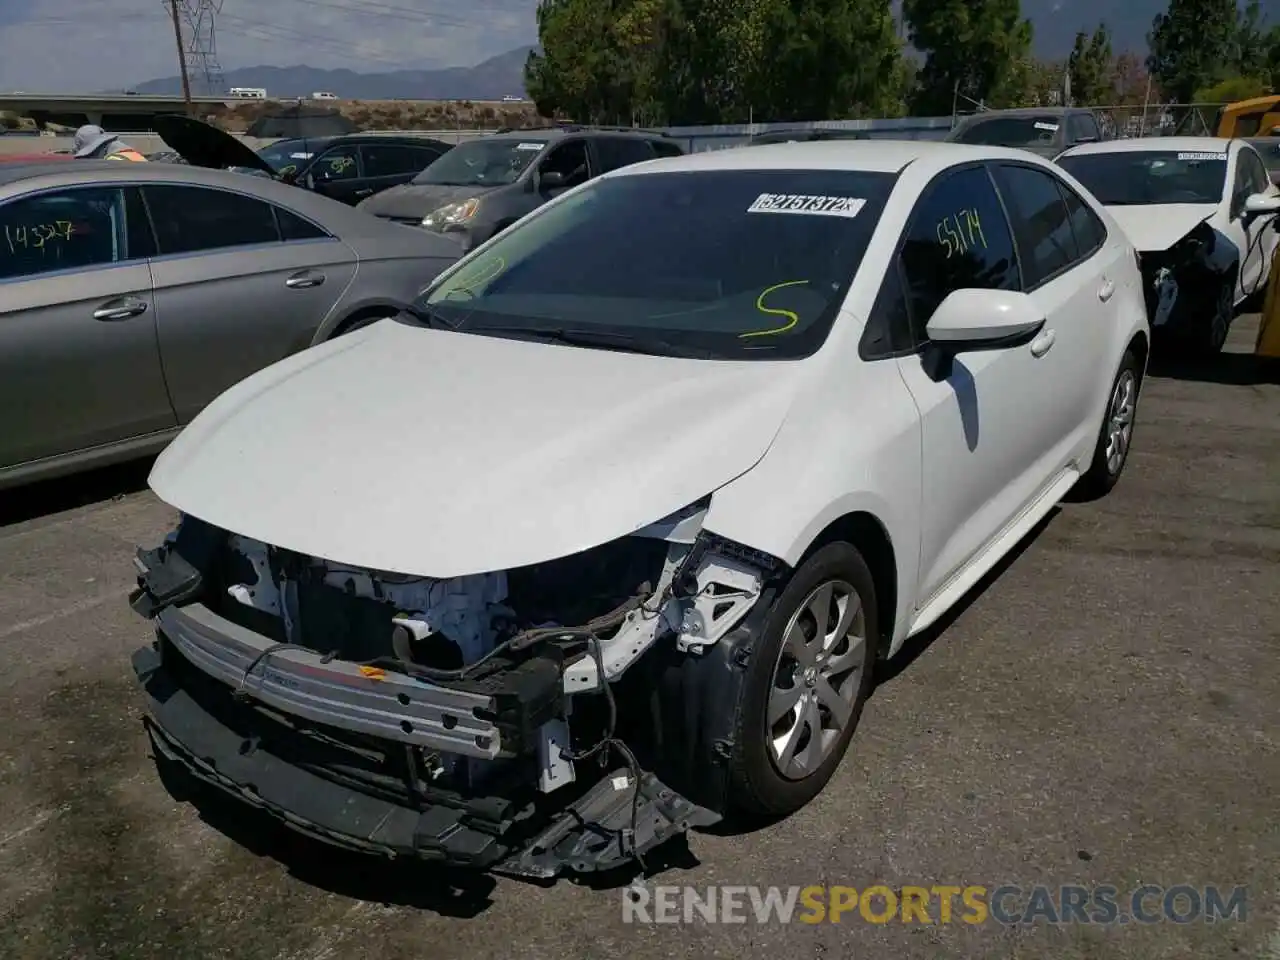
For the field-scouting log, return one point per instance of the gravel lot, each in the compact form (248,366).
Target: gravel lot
(1107,710)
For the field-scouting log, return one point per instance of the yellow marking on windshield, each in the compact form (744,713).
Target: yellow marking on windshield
(488,270)
(775,311)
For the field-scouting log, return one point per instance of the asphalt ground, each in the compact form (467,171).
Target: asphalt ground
(1105,710)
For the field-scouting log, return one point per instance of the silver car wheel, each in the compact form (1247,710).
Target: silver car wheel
(817,678)
(1120,420)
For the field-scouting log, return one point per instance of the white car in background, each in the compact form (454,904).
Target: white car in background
(1201,212)
(723,430)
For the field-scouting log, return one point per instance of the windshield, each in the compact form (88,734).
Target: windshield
(1012,131)
(287,156)
(732,264)
(1146,177)
(482,163)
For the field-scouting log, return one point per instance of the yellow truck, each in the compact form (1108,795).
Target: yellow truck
(1268,344)
(1259,117)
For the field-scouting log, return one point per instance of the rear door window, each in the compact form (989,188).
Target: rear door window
(1090,232)
(391,160)
(615,152)
(192,219)
(1041,223)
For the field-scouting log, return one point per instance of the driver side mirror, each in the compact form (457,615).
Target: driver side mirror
(1260,204)
(974,319)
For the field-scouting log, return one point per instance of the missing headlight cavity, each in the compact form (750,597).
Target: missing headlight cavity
(503,683)
(1182,282)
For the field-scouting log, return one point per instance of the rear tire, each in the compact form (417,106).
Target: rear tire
(1115,438)
(806,685)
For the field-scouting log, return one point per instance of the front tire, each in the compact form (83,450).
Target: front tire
(808,680)
(1111,452)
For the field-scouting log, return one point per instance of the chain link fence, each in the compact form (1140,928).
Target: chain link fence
(1159,120)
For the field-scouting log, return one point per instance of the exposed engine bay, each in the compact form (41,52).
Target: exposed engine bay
(484,720)
(1182,284)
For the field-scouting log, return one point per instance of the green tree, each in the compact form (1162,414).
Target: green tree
(1251,51)
(716,61)
(975,51)
(1193,45)
(1273,58)
(1091,67)
(1231,90)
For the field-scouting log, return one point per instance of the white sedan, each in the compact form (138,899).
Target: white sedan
(708,435)
(1201,212)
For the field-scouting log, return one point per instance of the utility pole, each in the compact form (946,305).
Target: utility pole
(182,55)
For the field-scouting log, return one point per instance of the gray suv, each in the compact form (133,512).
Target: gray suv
(482,186)
(1046,131)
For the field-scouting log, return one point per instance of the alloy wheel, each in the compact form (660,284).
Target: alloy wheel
(1120,420)
(817,678)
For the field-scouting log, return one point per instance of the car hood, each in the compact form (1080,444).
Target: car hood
(203,145)
(432,453)
(412,200)
(1152,228)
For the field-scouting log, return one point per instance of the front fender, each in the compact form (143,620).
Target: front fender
(851,444)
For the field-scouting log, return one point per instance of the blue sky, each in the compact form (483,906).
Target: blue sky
(83,45)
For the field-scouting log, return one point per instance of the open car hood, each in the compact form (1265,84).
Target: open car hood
(203,145)
(425,452)
(1153,228)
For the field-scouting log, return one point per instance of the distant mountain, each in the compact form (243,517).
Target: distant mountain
(498,77)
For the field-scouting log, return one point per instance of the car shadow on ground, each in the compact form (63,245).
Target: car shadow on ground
(450,892)
(912,649)
(1230,369)
(46,497)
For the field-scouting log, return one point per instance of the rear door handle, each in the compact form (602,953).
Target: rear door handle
(364,192)
(1043,343)
(1106,291)
(120,309)
(300,281)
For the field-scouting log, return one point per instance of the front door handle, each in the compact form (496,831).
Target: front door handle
(1043,343)
(366,191)
(1106,291)
(120,309)
(301,281)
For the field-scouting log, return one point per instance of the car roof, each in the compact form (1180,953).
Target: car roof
(1153,145)
(1018,112)
(548,134)
(870,156)
(347,221)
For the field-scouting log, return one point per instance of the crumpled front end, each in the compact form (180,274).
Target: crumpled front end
(497,721)
(1182,284)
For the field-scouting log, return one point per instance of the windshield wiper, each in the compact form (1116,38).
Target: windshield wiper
(428,317)
(604,339)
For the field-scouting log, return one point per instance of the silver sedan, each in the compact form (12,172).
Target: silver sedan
(132,294)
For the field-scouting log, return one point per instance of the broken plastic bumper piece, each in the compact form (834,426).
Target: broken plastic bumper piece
(603,829)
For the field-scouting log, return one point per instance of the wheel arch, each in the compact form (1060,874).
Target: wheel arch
(345,321)
(868,534)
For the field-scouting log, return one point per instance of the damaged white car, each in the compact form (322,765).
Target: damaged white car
(602,540)
(1201,212)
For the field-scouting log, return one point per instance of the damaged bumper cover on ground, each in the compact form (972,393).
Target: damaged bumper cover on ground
(451,721)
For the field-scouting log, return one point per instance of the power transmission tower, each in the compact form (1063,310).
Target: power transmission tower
(198,43)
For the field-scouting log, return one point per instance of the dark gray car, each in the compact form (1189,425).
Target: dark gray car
(482,186)
(1046,131)
(132,294)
